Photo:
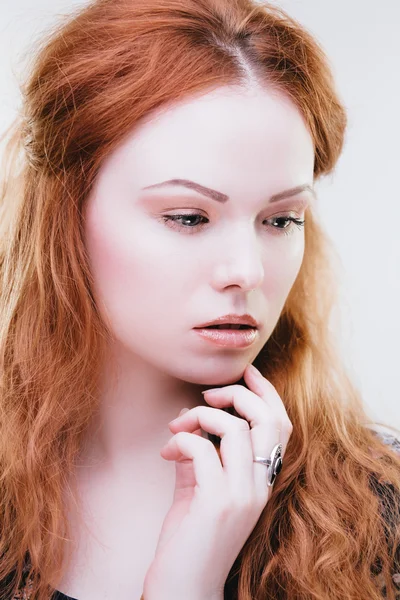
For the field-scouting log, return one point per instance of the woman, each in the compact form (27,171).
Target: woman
(162,176)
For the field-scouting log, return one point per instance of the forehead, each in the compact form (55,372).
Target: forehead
(229,135)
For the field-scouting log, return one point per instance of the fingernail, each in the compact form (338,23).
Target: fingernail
(182,412)
(211,391)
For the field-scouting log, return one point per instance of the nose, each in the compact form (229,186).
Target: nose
(240,262)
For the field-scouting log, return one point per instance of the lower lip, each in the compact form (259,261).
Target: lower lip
(229,338)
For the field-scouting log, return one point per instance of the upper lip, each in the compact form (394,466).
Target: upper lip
(232,319)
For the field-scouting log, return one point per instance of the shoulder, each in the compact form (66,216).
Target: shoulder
(388,497)
(385,489)
(389,439)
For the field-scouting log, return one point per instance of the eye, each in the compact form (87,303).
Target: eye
(176,222)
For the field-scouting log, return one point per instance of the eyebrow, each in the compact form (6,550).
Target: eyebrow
(220,197)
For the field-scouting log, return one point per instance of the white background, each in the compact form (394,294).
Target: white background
(359,204)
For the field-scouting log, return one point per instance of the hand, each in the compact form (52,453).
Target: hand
(219,495)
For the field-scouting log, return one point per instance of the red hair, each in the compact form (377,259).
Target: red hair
(91,81)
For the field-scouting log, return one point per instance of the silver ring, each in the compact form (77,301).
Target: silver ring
(273,463)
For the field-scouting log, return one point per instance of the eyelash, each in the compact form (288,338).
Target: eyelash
(285,230)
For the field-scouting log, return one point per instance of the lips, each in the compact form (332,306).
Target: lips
(227,326)
(230,321)
(228,337)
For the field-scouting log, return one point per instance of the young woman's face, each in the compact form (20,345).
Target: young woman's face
(157,280)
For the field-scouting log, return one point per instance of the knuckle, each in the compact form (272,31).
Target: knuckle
(288,426)
(228,510)
(180,436)
(241,501)
(237,505)
(222,508)
(241,425)
(246,503)
(277,423)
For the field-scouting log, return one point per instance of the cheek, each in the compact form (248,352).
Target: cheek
(128,268)
(282,267)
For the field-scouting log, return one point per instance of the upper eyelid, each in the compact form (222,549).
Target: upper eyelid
(288,205)
(295,213)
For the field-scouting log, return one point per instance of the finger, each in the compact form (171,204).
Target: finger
(206,463)
(196,431)
(265,390)
(264,431)
(235,449)
(164,450)
(251,403)
(261,406)
(261,386)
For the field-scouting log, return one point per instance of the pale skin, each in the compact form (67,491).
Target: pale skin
(154,284)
